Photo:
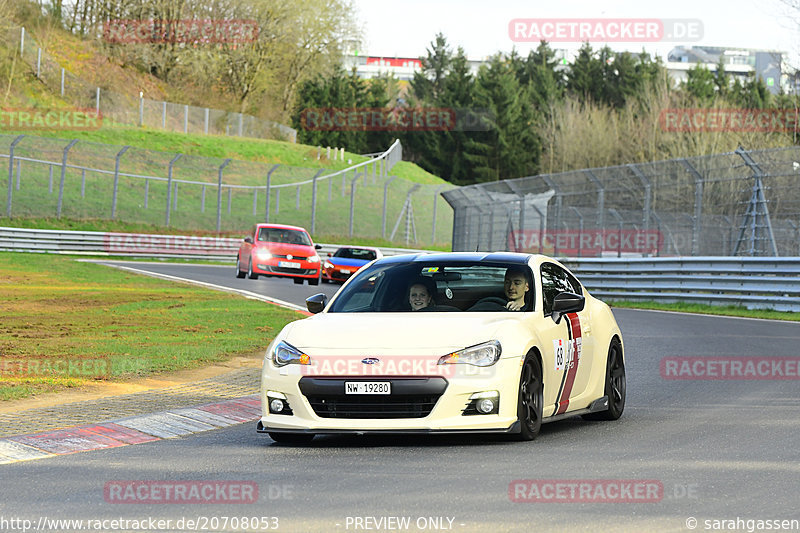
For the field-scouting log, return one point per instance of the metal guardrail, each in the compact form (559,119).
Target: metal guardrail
(753,282)
(95,243)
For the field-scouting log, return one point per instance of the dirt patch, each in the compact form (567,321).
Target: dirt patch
(95,390)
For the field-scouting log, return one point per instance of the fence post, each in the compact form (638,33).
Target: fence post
(175,198)
(186,118)
(330,188)
(63,176)
(698,203)
(269,179)
(83,183)
(39,64)
(205,122)
(11,173)
(601,197)
(277,201)
(240,124)
(141,109)
(163,114)
(385,196)
(557,190)
(203,199)
(647,194)
(314,200)
(435,201)
(116,182)
(219,193)
(169,185)
(62,82)
(50,187)
(619,230)
(97,101)
(22,41)
(146,191)
(19,172)
(230,198)
(255,200)
(353,200)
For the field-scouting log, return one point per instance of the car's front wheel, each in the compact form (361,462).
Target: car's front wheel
(315,281)
(250,273)
(530,400)
(615,385)
(239,273)
(292,438)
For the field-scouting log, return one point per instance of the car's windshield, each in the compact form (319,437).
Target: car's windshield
(451,286)
(355,253)
(281,235)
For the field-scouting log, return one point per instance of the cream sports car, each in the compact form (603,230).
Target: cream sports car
(505,342)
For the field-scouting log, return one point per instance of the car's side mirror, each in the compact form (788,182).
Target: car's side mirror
(316,303)
(318,247)
(330,254)
(248,240)
(567,302)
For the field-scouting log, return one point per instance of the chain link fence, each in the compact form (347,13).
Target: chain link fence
(125,110)
(742,203)
(78,179)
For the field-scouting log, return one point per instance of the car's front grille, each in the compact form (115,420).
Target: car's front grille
(294,257)
(404,407)
(410,398)
(282,270)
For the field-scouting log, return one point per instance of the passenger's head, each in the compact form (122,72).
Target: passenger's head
(420,293)
(516,284)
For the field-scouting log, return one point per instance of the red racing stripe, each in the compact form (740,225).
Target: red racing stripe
(575,330)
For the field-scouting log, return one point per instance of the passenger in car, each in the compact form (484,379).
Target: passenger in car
(420,293)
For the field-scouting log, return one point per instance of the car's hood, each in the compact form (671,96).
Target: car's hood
(394,333)
(279,248)
(344,261)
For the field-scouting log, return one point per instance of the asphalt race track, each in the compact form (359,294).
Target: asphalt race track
(719,449)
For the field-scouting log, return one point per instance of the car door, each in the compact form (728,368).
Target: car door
(572,340)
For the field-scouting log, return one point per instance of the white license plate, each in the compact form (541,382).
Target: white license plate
(367,387)
(344,271)
(288,264)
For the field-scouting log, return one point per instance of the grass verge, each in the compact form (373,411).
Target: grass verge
(66,323)
(728,310)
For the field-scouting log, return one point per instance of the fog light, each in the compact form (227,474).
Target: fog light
(485,406)
(276,405)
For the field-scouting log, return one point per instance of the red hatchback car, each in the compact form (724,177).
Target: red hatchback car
(279,250)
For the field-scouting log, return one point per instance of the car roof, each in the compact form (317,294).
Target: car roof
(462,257)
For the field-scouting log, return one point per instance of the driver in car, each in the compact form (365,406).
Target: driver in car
(516,286)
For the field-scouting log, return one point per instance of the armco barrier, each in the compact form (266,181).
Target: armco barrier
(133,244)
(753,282)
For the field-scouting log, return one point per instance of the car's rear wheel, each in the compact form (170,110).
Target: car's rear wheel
(615,385)
(530,399)
(250,273)
(239,273)
(292,438)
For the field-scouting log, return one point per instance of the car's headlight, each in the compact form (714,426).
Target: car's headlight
(484,354)
(327,264)
(263,255)
(285,354)
(313,259)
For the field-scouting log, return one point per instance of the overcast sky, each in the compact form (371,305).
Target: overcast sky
(405,28)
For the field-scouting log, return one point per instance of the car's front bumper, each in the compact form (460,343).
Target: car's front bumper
(446,414)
